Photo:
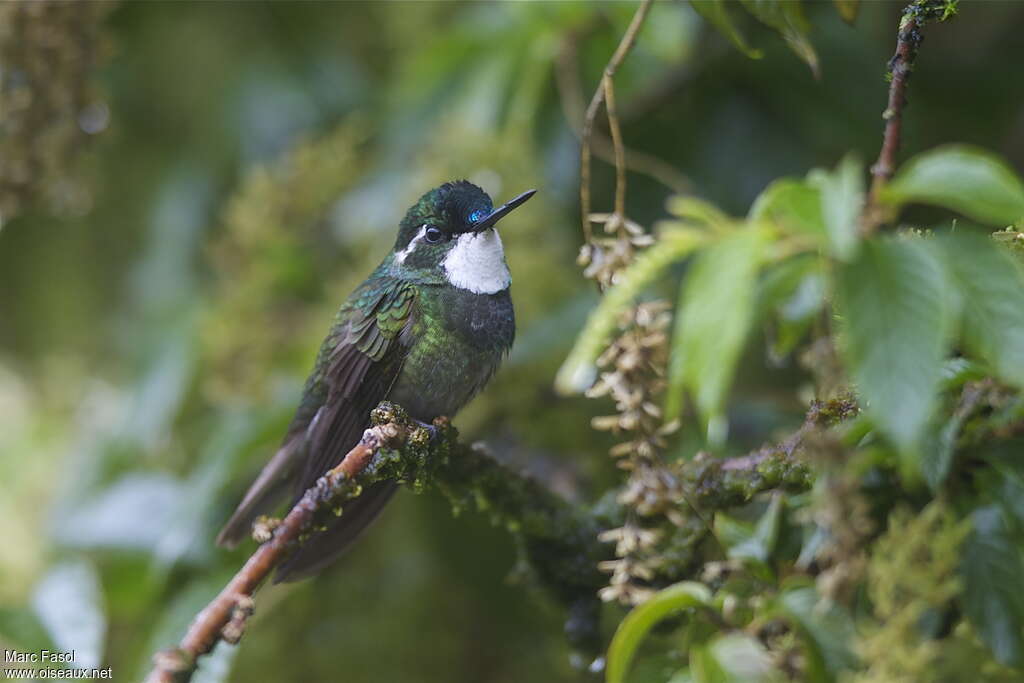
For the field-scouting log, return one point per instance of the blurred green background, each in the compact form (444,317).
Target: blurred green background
(236,168)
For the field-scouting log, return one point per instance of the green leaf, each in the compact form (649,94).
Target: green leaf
(746,541)
(638,623)
(792,294)
(842,198)
(991,570)
(715,309)
(965,179)
(716,14)
(787,17)
(698,211)
(578,371)
(897,316)
(847,9)
(791,204)
(825,628)
(1003,482)
(730,658)
(991,285)
(937,456)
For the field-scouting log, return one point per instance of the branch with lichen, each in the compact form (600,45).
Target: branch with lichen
(908,40)
(224,618)
(558,540)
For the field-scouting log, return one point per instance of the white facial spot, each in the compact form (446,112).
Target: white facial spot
(402,255)
(477,263)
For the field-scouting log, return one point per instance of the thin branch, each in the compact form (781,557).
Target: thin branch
(558,540)
(625,45)
(908,41)
(570,95)
(900,67)
(820,414)
(620,152)
(224,617)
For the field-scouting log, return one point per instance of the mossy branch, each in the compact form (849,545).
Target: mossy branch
(559,540)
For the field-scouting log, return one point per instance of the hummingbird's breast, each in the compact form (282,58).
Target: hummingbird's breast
(459,340)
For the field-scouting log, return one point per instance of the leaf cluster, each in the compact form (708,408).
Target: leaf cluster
(928,330)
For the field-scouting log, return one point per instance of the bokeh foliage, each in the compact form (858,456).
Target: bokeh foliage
(162,294)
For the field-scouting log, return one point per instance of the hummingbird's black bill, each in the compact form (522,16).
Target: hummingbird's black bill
(502,211)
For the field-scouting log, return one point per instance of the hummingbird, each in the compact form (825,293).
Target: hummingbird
(427,330)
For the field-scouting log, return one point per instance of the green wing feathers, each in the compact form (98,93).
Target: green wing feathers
(356,367)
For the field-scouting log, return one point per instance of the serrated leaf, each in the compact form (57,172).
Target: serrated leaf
(638,623)
(715,309)
(897,318)
(965,179)
(578,371)
(825,628)
(991,286)
(787,17)
(793,205)
(842,199)
(730,658)
(717,14)
(991,569)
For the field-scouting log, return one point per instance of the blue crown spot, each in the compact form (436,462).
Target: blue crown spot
(477,215)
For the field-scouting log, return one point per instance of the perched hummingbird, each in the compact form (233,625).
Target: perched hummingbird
(426,330)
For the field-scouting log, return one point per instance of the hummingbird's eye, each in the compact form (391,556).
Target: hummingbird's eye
(433,235)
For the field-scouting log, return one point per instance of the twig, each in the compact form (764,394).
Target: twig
(570,95)
(625,45)
(820,414)
(620,152)
(900,67)
(908,40)
(224,617)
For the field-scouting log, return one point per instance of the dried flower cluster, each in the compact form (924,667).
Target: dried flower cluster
(632,375)
(47,105)
(603,258)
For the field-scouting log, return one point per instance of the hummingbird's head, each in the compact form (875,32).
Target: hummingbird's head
(449,235)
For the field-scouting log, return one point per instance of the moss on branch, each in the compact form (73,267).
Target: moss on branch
(559,540)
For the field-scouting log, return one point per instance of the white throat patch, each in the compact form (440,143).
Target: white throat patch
(477,263)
